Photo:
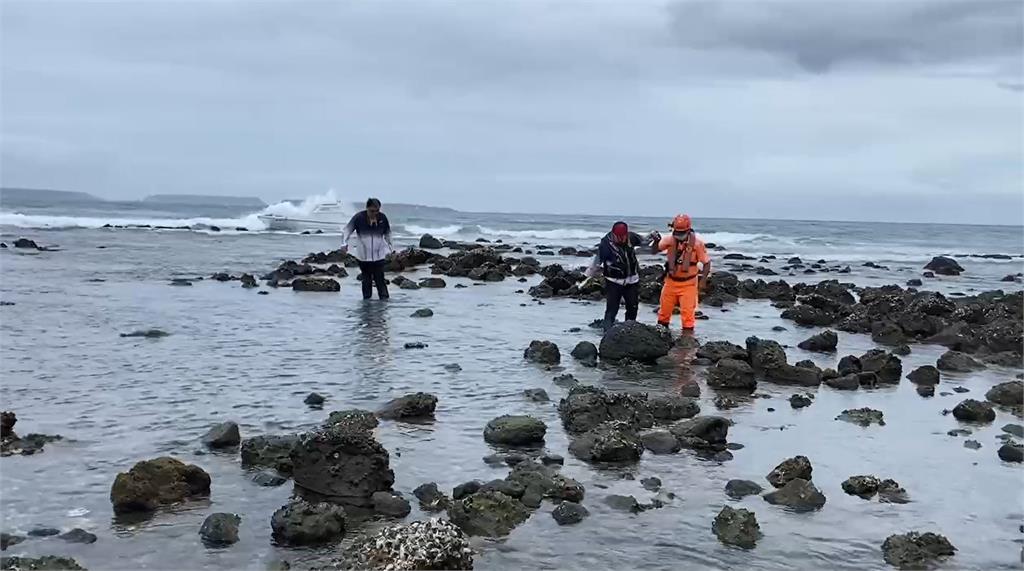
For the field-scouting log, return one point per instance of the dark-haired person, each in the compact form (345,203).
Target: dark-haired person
(616,257)
(373,244)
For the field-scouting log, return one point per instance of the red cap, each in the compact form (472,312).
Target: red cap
(620,229)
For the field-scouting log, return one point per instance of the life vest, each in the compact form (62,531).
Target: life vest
(682,271)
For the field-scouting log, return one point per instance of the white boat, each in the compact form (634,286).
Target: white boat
(328,216)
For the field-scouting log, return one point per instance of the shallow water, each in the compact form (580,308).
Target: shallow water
(236,355)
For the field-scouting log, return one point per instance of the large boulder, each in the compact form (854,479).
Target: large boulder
(429,242)
(305,523)
(972,410)
(489,514)
(825,342)
(958,362)
(272,451)
(416,406)
(799,495)
(510,430)
(636,341)
(430,544)
(223,435)
(736,527)
(798,467)
(342,462)
(1007,394)
(585,407)
(718,350)
(944,266)
(670,408)
(887,366)
(315,284)
(916,550)
(159,482)
(586,353)
(611,441)
(732,374)
(543,352)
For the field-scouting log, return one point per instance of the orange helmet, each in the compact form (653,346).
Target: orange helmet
(681,223)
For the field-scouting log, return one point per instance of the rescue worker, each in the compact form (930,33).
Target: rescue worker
(373,245)
(683,278)
(616,258)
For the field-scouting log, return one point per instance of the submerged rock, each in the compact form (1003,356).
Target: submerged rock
(431,544)
(887,366)
(270,451)
(972,410)
(416,406)
(220,529)
(78,535)
(1007,394)
(353,418)
(159,482)
(702,432)
(862,416)
(315,284)
(342,462)
(635,340)
(536,395)
(147,333)
(717,350)
(46,562)
(304,523)
(800,401)
(739,489)
(737,527)
(314,399)
(510,430)
(798,467)
(424,312)
(798,495)
(542,352)
(489,514)
(916,550)
(569,513)
(944,266)
(612,441)
(586,353)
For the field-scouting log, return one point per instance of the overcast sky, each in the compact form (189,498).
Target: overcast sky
(866,110)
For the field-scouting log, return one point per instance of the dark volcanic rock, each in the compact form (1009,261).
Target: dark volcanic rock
(791,469)
(634,340)
(661,442)
(612,441)
(423,312)
(433,283)
(536,395)
(411,406)
(739,489)
(509,430)
(798,495)
(390,504)
(272,451)
(220,529)
(268,479)
(314,399)
(315,284)
(354,418)
(543,352)
(78,535)
(736,527)
(586,353)
(669,408)
(25,243)
(1007,394)
(46,562)
(888,367)
(849,365)
(702,432)
(159,482)
(718,350)
(916,550)
(926,375)
(825,341)
(862,416)
(586,407)
(765,355)
(429,242)
(568,513)
(304,523)
(431,544)
(342,462)
(224,435)
(958,362)
(490,514)
(431,498)
(972,410)
(540,481)
(800,401)
(731,374)
(944,266)
(1011,452)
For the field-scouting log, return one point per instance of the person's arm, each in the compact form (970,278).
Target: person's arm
(387,230)
(654,241)
(346,233)
(705,261)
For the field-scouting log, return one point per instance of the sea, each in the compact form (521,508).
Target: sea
(232,354)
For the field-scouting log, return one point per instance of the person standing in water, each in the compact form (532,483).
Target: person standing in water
(683,278)
(373,244)
(616,258)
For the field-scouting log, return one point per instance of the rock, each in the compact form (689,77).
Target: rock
(798,495)
(159,482)
(800,401)
(914,282)
(567,380)
(315,284)
(552,460)
(1007,394)
(431,498)
(636,341)
(1008,359)
(661,442)
(1011,452)
(7,421)
(181,282)
(849,365)
(428,242)
(220,529)
(544,481)
(916,551)
(972,444)
(825,341)
(862,416)
(702,432)
(926,390)
(959,362)
(543,352)
(304,523)
(510,488)
(926,375)
(353,418)
(739,489)
(249,281)
(961,390)
(425,312)
(314,399)
(536,395)
(1014,429)
(586,407)
(509,430)
(390,504)
(791,469)
(147,333)
(416,345)
(972,410)
(849,382)
(268,479)
(736,527)
(732,374)
(44,532)
(46,562)
(765,355)
(78,535)
(342,462)
(863,486)
(415,406)
(25,243)
(431,544)
(902,350)
(466,489)
(271,451)
(718,350)
(569,513)
(586,353)
(944,266)
(612,441)
(670,408)
(223,435)
(623,503)
(8,540)
(651,484)
(489,514)
(887,366)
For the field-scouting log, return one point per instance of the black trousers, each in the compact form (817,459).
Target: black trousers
(614,293)
(373,274)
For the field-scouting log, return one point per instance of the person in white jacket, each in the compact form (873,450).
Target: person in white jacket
(373,244)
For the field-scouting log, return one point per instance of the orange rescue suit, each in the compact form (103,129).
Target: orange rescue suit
(680,286)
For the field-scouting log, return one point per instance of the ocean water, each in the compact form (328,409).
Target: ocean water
(236,355)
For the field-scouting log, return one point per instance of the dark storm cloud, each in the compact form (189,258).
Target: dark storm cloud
(820,35)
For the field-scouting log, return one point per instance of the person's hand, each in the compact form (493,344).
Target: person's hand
(654,237)
(702,284)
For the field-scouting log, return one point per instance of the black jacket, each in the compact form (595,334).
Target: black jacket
(619,260)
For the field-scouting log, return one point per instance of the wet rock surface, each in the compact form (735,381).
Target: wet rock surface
(44,563)
(1007,394)
(585,407)
(543,352)
(224,435)
(306,523)
(862,416)
(798,495)
(636,341)
(738,489)
(154,483)
(416,406)
(511,430)
(798,467)
(220,529)
(916,550)
(431,544)
(972,410)
(824,342)
(489,514)
(341,462)
(272,451)
(569,513)
(612,441)
(737,527)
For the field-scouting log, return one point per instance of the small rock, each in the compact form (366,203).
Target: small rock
(224,435)
(736,527)
(651,484)
(926,375)
(425,312)
(972,444)
(220,529)
(1007,394)
(862,416)
(147,333)
(44,532)
(415,406)
(511,430)
(916,551)
(552,460)
(466,489)
(739,489)
(798,467)
(489,514)
(536,395)
(958,362)
(304,523)
(268,479)
(390,504)
(314,399)
(542,352)
(431,544)
(926,390)
(78,535)
(1014,429)
(416,345)
(623,503)
(661,442)
(568,513)
(431,498)
(825,341)
(972,410)
(46,562)
(1011,452)
(154,483)
(799,495)
(800,401)
(8,540)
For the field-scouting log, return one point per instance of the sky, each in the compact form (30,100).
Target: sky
(900,110)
